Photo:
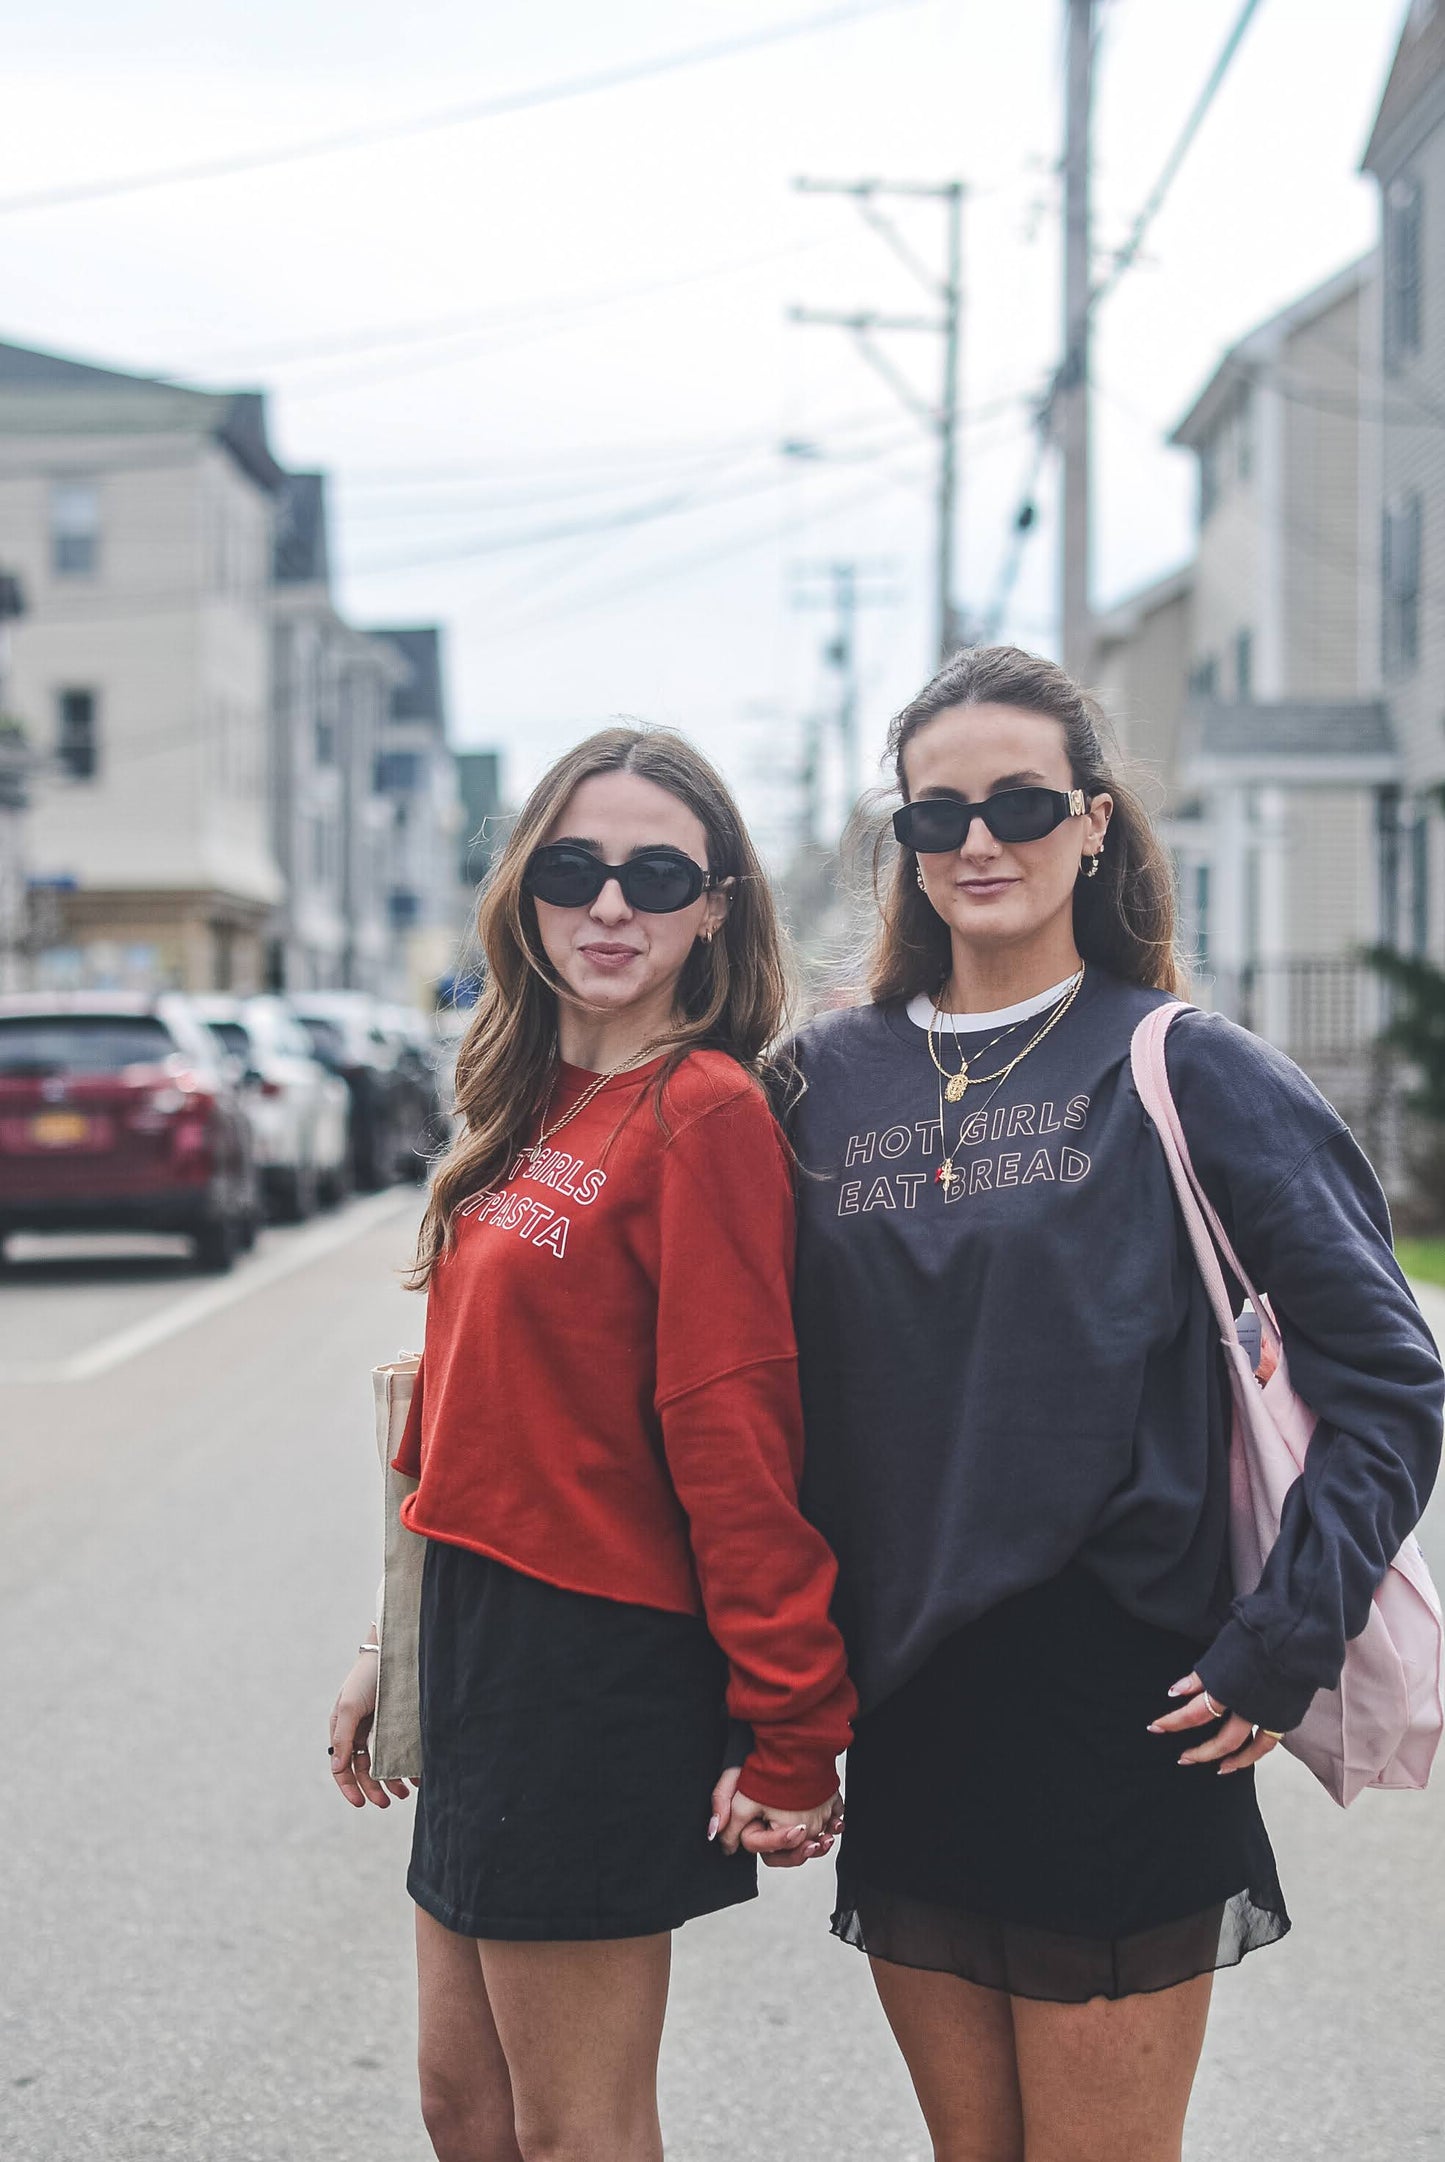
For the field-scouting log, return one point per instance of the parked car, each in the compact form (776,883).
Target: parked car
(427,1062)
(300,1112)
(390,1110)
(116,1115)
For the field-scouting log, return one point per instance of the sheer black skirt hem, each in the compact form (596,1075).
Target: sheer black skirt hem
(1049,1965)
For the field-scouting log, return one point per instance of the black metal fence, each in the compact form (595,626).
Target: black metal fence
(1314,1009)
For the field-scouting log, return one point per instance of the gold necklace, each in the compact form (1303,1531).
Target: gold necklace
(945,1176)
(958,1084)
(592,1089)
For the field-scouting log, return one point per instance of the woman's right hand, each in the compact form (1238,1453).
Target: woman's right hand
(351,1717)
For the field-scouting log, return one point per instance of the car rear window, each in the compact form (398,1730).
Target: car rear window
(325,1037)
(81,1043)
(232,1037)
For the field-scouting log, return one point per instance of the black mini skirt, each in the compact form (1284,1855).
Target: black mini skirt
(1011,1820)
(570,1746)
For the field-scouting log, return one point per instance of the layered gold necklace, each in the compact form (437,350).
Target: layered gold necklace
(593,1088)
(955,1086)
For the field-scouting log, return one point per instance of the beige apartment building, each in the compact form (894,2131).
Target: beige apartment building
(1404,450)
(1247,684)
(139,517)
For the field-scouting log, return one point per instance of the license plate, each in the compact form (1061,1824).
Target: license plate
(59,1130)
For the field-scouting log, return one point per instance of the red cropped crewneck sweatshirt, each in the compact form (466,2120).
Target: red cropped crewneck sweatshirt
(609,1394)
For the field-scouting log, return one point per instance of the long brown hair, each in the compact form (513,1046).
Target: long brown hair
(732,994)
(1123,918)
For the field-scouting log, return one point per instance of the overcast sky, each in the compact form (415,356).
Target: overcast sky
(502,338)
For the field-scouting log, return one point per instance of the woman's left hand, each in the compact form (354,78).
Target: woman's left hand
(1237,1744)
(737,1821)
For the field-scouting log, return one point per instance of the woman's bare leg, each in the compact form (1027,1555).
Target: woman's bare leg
(1105,2080)
(466,2092)
(958,2044)
(581,2026)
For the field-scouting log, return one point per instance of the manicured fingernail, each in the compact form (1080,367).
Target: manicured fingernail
(799,1831)
(713,1825)
(1176,1689)
(1156,1726)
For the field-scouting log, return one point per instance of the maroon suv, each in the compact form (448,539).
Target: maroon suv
(115,1115)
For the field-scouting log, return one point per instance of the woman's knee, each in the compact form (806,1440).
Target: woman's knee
(465,2123)
(554,2139)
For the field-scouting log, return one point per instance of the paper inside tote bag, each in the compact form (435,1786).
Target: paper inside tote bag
(396,1729)
(1382,1725)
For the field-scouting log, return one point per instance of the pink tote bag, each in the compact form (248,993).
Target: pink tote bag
(1382,1725)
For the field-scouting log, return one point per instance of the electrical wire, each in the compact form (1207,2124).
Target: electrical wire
(452,116)
(565,306)
(1025,516)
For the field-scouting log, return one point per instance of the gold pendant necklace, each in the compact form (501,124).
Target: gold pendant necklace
(957,1085)
(945,1176)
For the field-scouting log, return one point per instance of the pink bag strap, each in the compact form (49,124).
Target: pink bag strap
(1151,1079)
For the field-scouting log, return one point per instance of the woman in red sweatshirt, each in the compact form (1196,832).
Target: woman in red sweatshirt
(607,1437)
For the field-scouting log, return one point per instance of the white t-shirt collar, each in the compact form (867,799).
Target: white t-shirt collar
(920,1012)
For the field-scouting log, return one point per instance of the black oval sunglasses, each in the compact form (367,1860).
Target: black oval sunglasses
(938,825)
(658,880)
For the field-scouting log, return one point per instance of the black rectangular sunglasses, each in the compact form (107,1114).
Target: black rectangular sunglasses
(658,880)
(938,825)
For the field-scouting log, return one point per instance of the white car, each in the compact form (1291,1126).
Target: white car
(299,1113)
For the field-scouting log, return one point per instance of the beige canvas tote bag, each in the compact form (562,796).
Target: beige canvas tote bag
(396,1730)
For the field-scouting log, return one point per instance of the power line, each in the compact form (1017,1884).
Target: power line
(453,116)
(1125,256)
(701,559)
(561,308)
(1069,368)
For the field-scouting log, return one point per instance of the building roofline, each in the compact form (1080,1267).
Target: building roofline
(1123,619)
(235,419)
(1414,79)
(1240,361)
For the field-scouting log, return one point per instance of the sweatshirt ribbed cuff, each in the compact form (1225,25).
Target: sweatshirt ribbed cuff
(1239,1673)
(782,1778)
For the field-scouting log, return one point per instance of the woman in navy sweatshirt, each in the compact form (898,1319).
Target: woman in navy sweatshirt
(1017,1439)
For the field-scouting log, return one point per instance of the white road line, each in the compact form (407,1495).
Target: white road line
(299,1253)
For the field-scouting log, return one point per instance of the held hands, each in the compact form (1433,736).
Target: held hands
(784,1838)
(351,1718)
(1237,1744)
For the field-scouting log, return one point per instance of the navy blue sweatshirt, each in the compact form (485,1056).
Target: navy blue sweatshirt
(1026,1372)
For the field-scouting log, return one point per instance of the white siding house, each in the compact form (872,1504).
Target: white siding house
(139,516)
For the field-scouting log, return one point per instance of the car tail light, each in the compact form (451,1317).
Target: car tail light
(169,1098)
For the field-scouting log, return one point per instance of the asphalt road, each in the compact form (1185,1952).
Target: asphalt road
(205,1958)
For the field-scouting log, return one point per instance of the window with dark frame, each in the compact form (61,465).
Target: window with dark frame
(1400,543)
(74,528)
(76,746)
(1402,270)
(1208,475)
(1243,667)
(1420,882)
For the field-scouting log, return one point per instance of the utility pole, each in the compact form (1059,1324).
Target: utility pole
(1071,397)
(14,803)
(940,416)
(842,592)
